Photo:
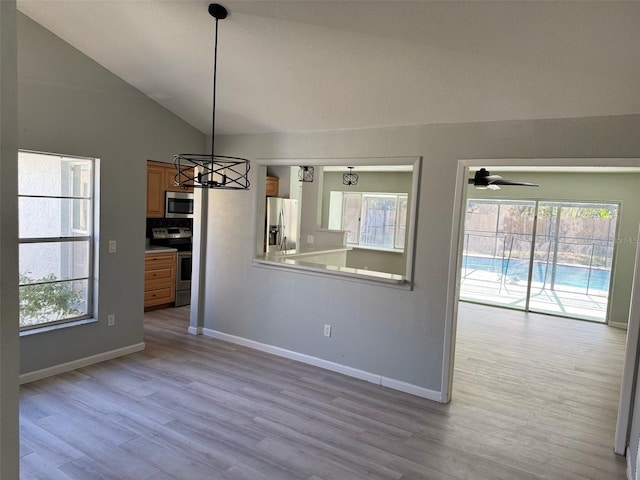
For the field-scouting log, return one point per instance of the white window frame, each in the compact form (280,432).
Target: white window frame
(88,236)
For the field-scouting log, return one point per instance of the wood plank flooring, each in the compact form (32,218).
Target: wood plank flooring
(535,398)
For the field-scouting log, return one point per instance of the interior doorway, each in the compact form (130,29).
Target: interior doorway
(631,309)
(549,257)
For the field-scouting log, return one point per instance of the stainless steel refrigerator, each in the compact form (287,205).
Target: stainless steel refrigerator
(282,224)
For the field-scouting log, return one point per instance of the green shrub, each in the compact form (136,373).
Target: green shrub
(45,299)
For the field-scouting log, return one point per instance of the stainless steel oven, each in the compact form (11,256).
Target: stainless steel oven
(183,279)
(178,205)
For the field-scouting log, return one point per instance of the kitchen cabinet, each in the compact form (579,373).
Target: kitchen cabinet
(170,183)
(272,186)
(155,190)
(160,179)
(159,279)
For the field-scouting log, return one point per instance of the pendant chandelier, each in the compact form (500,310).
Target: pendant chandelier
(212,171)
(350,178)
(305,174)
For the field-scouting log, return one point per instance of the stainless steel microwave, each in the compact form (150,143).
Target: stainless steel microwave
(178,205)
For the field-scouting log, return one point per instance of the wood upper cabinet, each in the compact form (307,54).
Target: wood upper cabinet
(160,179)
(155,190)
(170,180)
(272,186)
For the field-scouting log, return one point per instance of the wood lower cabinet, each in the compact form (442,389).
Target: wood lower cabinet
(159,279)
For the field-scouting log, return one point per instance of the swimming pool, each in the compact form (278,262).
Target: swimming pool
(566,275)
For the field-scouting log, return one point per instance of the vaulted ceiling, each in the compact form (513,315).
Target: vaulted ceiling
(309,65)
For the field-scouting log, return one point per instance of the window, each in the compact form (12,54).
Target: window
(55,238)
(373,220)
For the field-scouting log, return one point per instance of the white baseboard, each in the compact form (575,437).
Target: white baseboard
(81,362)
(412,389)
(621,325)
(332,366)
(195,330)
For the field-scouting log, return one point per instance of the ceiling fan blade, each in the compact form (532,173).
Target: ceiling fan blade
(502,181)
(483,179)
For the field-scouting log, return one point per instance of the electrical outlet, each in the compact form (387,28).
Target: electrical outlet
(327,330)
(112,246)
(111,320)
(310,239)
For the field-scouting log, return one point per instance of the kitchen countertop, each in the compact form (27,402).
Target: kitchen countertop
(295,259)
(297,253)
(159,249)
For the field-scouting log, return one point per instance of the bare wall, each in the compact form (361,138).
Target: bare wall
(394,333)
(69,104)
(9,426)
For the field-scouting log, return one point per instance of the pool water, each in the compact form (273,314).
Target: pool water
(566,275)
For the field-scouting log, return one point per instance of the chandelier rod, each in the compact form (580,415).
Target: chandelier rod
(215,71)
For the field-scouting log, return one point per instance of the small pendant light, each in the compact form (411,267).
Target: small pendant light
(350,178)
(305,174)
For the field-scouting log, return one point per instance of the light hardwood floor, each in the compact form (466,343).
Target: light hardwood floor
(535,397)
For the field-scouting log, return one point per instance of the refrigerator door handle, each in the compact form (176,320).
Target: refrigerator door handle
(281,237)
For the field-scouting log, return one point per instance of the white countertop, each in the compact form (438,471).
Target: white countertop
(297,253)
(159,249)
(296,261)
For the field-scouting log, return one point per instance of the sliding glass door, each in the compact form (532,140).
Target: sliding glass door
(573,257)
(497,249)
(548,257)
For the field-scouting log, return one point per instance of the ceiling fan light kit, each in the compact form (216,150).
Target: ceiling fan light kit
(211,170)
(483,180)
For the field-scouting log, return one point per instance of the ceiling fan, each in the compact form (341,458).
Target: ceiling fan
(483,179)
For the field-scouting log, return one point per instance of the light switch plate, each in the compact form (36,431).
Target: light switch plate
(112,246)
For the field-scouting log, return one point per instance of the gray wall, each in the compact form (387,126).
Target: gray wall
(9,449)
(391,332)
(604,187)
(392,182)
(69,104)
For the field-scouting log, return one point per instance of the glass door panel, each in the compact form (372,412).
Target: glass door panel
(566,273)
(497,249)
(573,258)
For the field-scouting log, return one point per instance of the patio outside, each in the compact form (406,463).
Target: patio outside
(558,264)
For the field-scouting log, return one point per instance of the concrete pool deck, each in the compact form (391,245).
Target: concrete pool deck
(491,289)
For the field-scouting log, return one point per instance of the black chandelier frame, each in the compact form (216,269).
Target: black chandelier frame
(212,171)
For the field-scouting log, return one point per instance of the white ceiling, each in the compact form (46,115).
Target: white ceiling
(310,65)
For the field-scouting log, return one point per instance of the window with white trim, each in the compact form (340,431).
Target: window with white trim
(373,220)
(56,198)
